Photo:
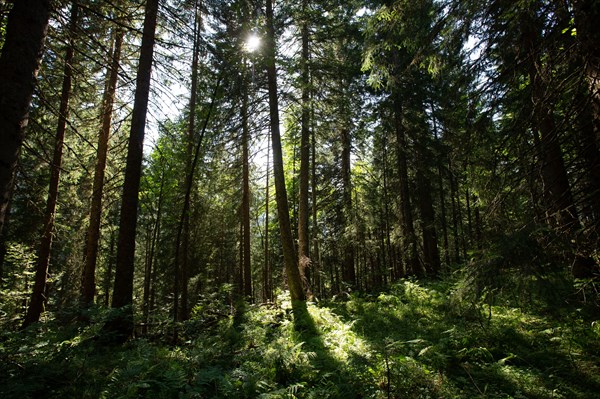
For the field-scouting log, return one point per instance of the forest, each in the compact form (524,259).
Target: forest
(299,199)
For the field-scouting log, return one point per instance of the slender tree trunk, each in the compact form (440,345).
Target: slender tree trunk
(431,255)
(38,299)
(88,285)
(123,326)
(316,261)
(186,205)
(304,260)
(149,271)
(267,285)
(19,63)
(191,132)
(247,267)
(287,242)
(409,241)
(455,217)
(109,270)
(348,270)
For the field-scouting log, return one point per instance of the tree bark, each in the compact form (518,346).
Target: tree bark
(431,254)
(304,260)
(348,270)
(409,241)
(267,284)
(38,298)
(191,132)
(149,270)
(287,242)
(316,257)
(122,325)
(246,266)
(19,63)
(88,285)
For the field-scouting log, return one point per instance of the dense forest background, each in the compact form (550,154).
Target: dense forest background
(236,175)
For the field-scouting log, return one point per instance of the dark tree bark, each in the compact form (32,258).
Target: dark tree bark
(267,275)
(316,256)
(246,266)
(287,242)
(587,15)
(19,63)
(191,132)
(431,254)
(38,298)
(304,260)
(88,285)
(348,270)
(149,269)
(122,325)
(409,241)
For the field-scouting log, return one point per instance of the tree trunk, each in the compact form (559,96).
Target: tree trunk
(19,63)
(149,271)
(247,267)
(38,299)
(122,298)
(409,242)
(88,285)
(191,132)
(587,15)
(316,261)
(348,271)
(267,285)
(287,242)
(560,207)
(431,255)
(304,260)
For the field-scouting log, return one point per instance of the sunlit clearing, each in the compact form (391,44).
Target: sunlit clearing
(252,43)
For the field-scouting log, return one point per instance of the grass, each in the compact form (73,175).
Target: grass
(412,341)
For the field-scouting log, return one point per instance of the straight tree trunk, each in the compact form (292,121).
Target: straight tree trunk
(348,270)
(267,284)
(247,267)
(561,211)
(38,298)
(431,254)
(185,256)
(149,271)
(189,182)
(26,30)
(409,241)
(587,15)
(122,298)
(304,260)
(454,210)
(287,242)
(316,261)
(88,285)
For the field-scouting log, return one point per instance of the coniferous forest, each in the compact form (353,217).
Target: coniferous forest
(299,199)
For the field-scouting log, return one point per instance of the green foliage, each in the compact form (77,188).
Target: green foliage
(522,269)
(406,342)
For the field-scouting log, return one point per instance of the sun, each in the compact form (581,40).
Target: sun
(252,43)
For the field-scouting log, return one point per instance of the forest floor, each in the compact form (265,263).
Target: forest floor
(411,341)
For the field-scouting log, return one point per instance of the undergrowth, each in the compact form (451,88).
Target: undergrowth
(411,341)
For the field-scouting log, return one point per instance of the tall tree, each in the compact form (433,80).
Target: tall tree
(303,209)
(122,325)
(287,242)
(183,268)
(19,63)
(88,285)
(38,299)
